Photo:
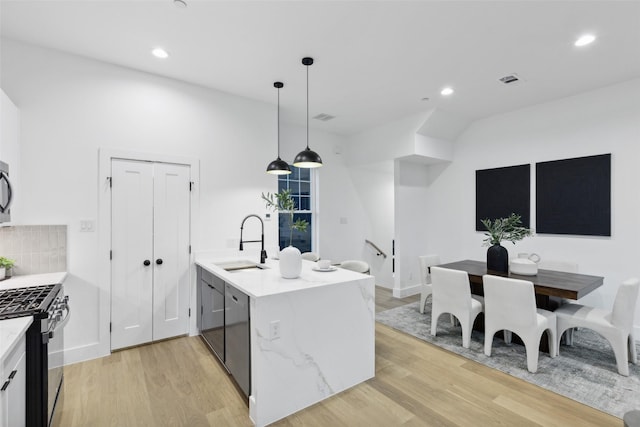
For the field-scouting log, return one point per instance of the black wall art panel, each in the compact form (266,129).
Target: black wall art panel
(573,196)
(501,192)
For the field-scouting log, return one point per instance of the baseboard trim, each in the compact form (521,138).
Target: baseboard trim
(84,353)
(406,292)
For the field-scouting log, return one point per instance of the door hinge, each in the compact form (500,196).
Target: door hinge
(189,248)
(189,312)
(110,325)
(110,179)
(110,255)
(202,309)
(191,185)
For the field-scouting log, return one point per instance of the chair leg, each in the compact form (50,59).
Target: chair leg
(568,337)
(507,336)
(621,351)
(633,352)
(466,324)
(488,341)
(423,301)
(434,321)
(531,348)
(553,342)
(453,320)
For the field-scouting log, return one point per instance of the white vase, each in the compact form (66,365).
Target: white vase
(3,272)
(290,262)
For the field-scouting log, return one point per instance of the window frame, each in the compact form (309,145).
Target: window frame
(295,177)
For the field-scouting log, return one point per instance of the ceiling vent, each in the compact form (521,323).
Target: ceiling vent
(324,117)
(510,79)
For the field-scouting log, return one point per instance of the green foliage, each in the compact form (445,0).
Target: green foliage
(500,229)
(283,202)
(6,262)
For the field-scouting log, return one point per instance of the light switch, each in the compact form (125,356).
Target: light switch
(87,226)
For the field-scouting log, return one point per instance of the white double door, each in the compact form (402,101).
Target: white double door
(150,204)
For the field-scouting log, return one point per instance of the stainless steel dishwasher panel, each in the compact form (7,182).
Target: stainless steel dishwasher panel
(237,338)
(212,312)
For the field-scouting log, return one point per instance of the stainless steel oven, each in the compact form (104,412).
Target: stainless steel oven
(6,193)
(53,332)
(44,347)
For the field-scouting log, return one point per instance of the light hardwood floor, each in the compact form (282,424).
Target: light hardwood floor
(179,383)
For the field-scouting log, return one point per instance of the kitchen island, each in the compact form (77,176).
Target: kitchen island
(310,337)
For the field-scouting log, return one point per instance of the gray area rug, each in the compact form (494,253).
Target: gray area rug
(585,372)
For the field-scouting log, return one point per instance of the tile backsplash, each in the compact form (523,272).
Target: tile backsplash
(35,248)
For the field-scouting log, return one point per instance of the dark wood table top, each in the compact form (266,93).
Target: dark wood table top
(546,282)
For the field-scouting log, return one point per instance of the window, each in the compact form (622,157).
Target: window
(299,182)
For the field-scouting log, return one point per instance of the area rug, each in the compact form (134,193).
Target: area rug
(585,372)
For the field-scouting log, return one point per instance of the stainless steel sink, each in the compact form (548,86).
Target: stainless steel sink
(238,265)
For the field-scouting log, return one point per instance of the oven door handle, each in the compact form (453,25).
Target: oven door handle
(50,333)
(64,321)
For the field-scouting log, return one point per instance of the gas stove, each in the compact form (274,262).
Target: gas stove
(44,346)
(28,301)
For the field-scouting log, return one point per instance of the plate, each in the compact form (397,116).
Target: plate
(325,269)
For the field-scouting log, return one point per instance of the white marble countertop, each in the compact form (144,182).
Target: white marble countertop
(268,281)
(33,280)
(11,330)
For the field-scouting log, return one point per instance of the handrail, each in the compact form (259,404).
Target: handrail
(380,252)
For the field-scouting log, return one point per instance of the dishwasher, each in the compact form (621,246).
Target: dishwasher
(211,316)
(236,336)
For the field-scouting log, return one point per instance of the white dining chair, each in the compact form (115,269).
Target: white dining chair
(310,256)
(616,326)
(511,304)
(452,294)
(355,265)
(426,262)
(567,267)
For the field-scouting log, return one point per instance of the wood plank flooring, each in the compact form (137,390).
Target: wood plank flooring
(179,383)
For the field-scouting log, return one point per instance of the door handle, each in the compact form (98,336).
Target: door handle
(159,261)
(146,262)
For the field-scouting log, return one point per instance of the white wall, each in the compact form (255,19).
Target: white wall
(10,149)
(596,122)
(71,107)
(341,220)
(375,190)
(411,230)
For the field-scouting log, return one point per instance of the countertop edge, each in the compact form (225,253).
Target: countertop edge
(303,284)
(17,328)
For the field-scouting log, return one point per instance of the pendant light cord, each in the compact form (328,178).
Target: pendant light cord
(307,107)
(278,123)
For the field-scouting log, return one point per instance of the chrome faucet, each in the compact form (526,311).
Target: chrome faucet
(263,253)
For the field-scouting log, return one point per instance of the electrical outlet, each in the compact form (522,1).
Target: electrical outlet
(267,217)
(274,330)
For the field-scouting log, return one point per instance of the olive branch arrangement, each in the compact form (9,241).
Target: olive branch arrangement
(283,202)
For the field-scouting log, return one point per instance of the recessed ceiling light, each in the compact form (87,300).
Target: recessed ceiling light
(585,40)
(180,3)
(425,99)
(160,53)
(446,91)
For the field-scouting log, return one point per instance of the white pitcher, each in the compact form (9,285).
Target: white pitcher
(532,257)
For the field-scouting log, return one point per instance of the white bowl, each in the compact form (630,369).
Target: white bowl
(523,266)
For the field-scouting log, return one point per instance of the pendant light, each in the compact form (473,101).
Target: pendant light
(307,158)
(278,166)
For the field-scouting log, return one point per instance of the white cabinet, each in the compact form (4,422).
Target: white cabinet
(13,387)
(150,251)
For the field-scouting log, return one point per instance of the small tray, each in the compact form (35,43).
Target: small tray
(332,268)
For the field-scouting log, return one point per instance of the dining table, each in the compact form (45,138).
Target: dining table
(550,286)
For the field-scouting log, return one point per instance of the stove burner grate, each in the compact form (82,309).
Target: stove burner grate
(24,301)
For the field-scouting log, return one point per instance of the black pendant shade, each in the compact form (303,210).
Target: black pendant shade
(307,158)
(278,166)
